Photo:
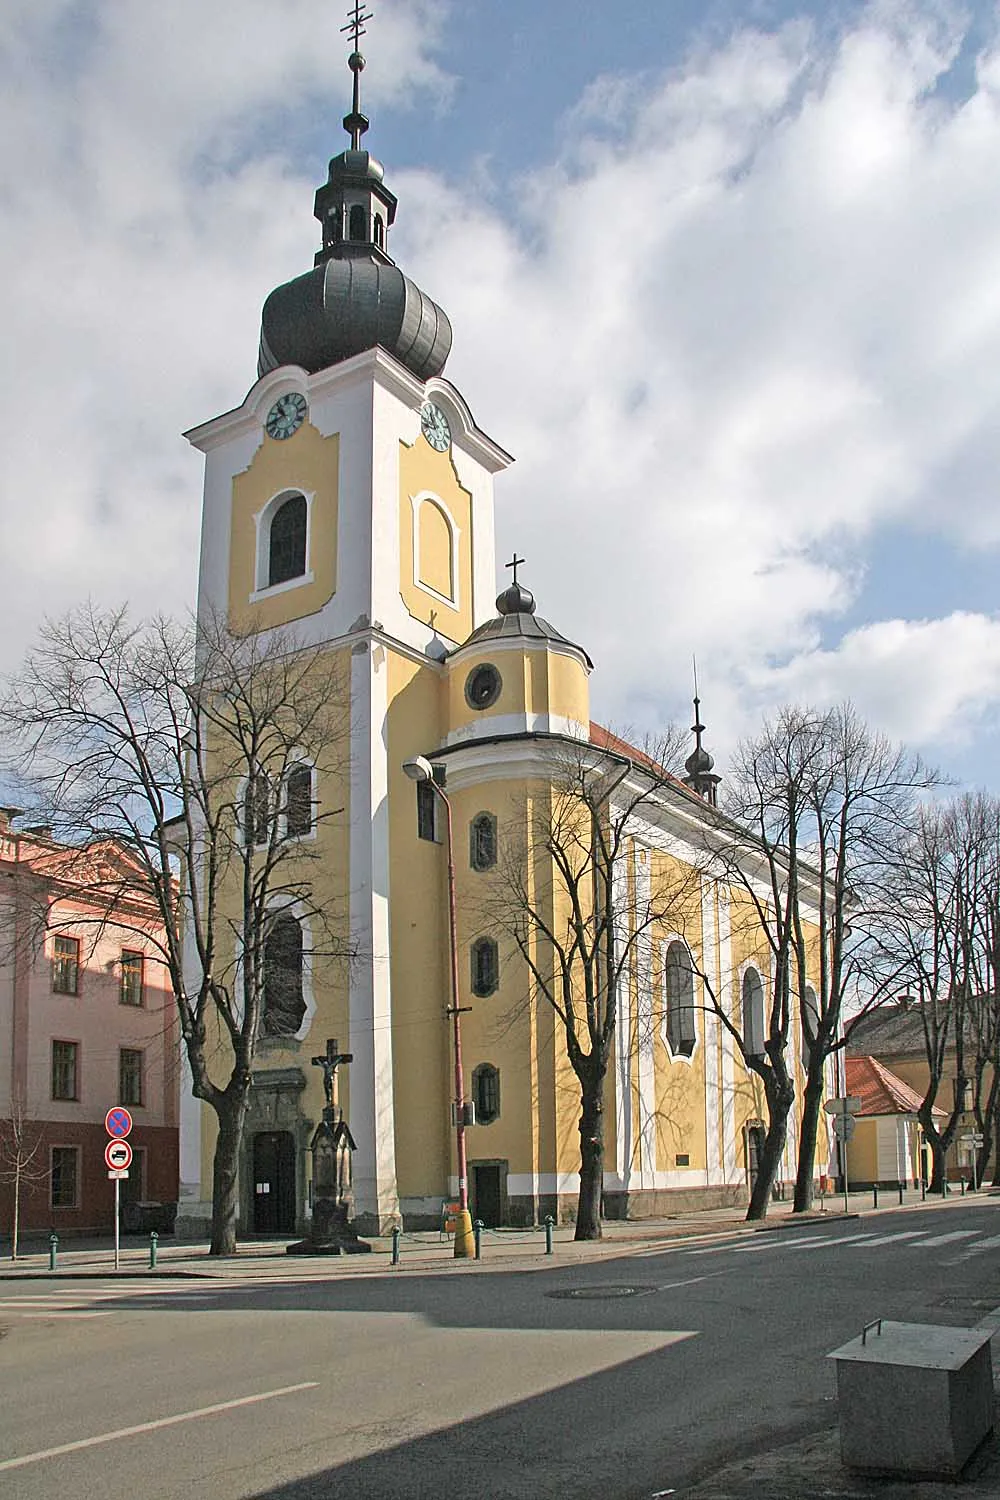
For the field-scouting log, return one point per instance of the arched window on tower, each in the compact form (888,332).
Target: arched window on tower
(358,222)
(284,1005)
(435,550)
(483,841)
(486,1093)
(485,966)
(678,985)
(753,1014)
(286,553)
(299,800)
(379,232)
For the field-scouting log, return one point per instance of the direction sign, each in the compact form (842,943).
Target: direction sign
(844,1126)
(851,1105)
(973,1139)
(118,1122)
(118,1155)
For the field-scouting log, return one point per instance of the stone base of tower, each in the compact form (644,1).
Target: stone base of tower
(663,1203)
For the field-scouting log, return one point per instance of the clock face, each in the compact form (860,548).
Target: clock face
(286,416)
(434,426)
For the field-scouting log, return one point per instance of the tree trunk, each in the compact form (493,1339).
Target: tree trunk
(231,1112)
(780,1095)
(588,1211)
(812,1103)
(17,1213)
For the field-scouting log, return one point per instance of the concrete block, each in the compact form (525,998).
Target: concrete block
(915,1398)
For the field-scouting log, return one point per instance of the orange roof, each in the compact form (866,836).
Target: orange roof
(605,740)
(880,1091)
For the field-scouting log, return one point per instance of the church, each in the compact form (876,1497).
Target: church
(350,499)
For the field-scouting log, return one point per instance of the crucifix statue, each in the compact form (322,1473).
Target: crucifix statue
(330,1061)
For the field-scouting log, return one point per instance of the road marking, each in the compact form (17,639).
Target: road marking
(60,1313)
(946,1239)
(971,1250)
(141,1427)
(890,1239)
(830,1239)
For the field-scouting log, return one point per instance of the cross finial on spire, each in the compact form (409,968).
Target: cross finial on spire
(514,564)
(356,123)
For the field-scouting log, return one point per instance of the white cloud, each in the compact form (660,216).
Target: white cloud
(746,318)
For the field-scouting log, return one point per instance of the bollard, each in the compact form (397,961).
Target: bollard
(962,1180)
(875,1193)
(53,1250)
(153,1239)
(478,1228)
(395,1244)
(548,1233)
(923,1190)
(900,1195)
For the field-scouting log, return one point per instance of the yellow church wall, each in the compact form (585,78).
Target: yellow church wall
(423,472)
(509,664)
(568,688)
(418,939)
(306,462)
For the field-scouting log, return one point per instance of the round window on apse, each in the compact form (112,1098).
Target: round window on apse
(482,686)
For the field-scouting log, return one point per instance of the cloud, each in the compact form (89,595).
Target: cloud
(739,324)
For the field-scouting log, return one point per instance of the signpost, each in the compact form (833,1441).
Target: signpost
(843,1111)
(118,1155)
(972,1142)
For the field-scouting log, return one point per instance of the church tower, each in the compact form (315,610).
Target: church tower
(349,499)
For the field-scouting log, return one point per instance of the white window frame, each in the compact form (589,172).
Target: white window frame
(427,497)
(262,546)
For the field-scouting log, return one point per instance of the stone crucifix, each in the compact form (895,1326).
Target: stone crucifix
(330,1062)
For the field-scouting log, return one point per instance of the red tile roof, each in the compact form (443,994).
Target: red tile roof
(880,1091)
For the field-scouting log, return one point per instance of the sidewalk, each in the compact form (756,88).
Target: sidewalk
(427,1251)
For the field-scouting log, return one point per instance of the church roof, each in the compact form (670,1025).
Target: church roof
(516,619)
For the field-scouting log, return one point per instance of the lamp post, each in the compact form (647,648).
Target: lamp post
(420,769)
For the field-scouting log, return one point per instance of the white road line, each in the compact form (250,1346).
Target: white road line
(946,1239)
(891,1239)
(977,1249)
(61,1314)
(125,1432)
(830,1239)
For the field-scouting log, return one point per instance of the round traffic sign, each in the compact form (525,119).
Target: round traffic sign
(118,1122)
(118,1155)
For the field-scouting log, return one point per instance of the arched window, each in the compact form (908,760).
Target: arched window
(379,232)
(358,222)
(753,1014)
(483,841)
(810,1023)
(286,552)
(435,550)
(486,1093)
(298,800)
(284,1005)
(256,810)
(678,985)
(485,966)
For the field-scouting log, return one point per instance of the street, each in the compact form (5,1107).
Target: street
(625,1376)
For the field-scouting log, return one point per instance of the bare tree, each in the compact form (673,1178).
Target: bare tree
(579,921)
(191,764)
(22,1168)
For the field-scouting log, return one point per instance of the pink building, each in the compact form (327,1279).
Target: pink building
(89,1022)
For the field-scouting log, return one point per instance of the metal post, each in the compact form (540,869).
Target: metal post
(462,1227)
(118,1195)
(395,1244)
(548,1234)
(53,1250)
(478,1227)
(843,1157)
(875,1195)
(923,1186)
(153,1238)
(900,1195)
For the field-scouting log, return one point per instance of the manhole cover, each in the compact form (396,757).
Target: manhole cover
(601,1293)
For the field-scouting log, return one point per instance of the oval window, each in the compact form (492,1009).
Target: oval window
(482,686)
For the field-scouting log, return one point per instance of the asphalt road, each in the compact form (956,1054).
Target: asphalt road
(625,1377)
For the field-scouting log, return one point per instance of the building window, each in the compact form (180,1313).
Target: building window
(678,983)
(64,1176)
(256,810)
(483,841)
(299,801)
(130,987)
(483,686)
(65,1070)
(286,554)
(129,1075)
(284,1006)
(427,812)
(66,965)
(358,222)
(379,232)
(753,1014)
(486,1093)
(485,966)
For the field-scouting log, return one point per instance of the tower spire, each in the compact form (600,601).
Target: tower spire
(700,777)
(356,123)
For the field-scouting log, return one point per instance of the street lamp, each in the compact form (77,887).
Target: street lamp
(420,769)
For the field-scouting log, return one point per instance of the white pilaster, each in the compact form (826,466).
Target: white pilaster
(730,1162)
(712,1028)
(644,1025)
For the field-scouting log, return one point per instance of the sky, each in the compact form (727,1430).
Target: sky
(723,278)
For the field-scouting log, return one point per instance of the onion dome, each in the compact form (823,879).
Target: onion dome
(516,616)
(355,297)
(699,763)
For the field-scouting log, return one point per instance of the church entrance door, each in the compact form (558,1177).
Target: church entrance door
(274,1182)
(489,1183)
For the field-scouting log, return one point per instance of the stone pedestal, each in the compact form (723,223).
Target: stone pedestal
(915,1398)
(331,1233)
